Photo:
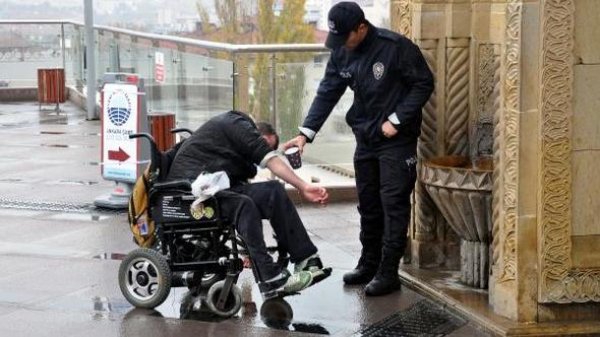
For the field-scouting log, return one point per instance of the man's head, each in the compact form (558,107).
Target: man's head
(347,26)
(269,134)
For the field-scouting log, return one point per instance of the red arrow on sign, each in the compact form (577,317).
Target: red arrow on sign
(118,155)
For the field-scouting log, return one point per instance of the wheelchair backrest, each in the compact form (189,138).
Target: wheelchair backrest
(160,162)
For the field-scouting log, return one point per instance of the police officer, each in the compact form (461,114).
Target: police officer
(391,83)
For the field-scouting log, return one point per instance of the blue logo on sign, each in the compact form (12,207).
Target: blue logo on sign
(119,108)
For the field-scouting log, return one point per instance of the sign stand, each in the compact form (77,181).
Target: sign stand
(123,113)
(117,199)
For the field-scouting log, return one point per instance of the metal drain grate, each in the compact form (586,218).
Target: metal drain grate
(54,206)
(423,319)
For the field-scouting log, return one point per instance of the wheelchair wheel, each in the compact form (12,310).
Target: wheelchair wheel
(276,313)
(204,282)
(233,304)
(211,278)
(145,278)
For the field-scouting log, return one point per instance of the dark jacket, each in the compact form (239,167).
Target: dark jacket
(388,74)
(228,142)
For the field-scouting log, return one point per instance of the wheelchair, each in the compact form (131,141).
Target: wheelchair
(197,248)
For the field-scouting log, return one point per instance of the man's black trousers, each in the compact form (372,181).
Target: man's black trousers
(385,179)
(266,200)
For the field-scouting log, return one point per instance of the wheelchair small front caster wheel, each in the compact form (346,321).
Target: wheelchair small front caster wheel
(145,278)
(232,304)
(276,313)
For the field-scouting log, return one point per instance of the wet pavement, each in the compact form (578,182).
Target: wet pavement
(59,255)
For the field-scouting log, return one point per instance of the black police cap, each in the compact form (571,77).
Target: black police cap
(343,18)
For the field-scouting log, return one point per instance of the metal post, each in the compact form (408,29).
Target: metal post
(91,60)
(273,118)
(133,57)
(113,54)
(235,79)
(62,43)
(177,74)
(64,65)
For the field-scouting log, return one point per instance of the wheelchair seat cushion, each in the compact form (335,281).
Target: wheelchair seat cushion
(184,185)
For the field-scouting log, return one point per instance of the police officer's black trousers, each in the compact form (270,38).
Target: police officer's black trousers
(385,179)
(266,200)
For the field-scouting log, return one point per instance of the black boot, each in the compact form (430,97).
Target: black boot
(386,279)
(359,275)
(364,271)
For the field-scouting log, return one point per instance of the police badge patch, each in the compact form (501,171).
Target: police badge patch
(378,70)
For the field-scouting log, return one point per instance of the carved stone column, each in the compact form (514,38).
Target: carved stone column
(531,70)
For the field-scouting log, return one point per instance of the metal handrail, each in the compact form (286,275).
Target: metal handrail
(232,50)
(216,46)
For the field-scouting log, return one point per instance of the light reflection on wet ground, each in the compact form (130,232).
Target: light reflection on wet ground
(188,305)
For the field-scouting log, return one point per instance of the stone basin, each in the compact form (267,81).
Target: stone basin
(463,194)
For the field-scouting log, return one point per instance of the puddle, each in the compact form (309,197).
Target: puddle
(52,133)
(66,146)
(11,180)
(77,217)
(278,314)
(14,125)
(58,145)
(69,133)
(183,305)
(73,182)
(50,182)
(275,314)
(110,256)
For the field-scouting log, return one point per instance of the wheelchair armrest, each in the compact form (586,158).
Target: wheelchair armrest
(172,185)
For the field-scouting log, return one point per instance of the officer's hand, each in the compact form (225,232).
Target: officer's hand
(299,142)
(388,129)
(315,194)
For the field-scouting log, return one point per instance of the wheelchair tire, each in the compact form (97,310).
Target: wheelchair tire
(145,278)
(276,313)
(233,304)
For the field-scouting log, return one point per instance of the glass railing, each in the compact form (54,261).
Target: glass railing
(25,48)
(272,82)
(295,90)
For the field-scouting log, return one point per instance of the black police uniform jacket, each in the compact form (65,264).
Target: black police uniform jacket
(388,74)
(228,142)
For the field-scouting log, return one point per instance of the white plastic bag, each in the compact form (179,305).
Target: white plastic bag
(208,184)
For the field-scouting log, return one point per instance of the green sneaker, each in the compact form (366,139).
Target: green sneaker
(313,265)
(298,281)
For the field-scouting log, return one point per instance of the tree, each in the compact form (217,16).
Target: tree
(238,25)
(288,27)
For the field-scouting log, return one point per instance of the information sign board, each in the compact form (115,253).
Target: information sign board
(120,118)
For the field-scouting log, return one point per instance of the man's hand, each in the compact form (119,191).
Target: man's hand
(315,194)
(299,142)
(388,129)
(308,191)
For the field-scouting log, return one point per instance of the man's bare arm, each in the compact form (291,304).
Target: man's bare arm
(310,192)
